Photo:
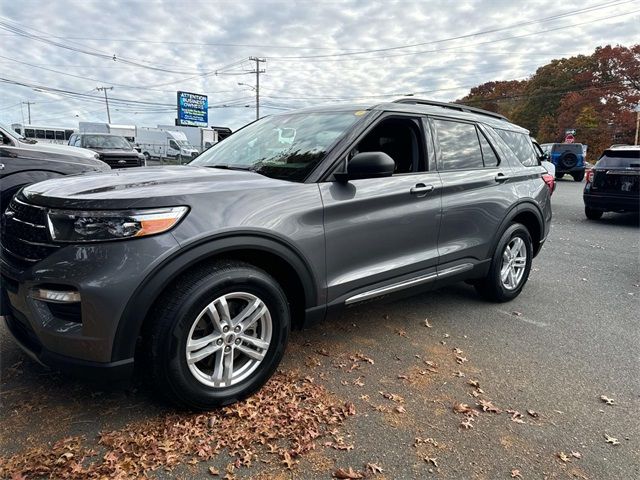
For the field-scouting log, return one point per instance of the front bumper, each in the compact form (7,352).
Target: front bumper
(108,371)
(105,275)
(612,203)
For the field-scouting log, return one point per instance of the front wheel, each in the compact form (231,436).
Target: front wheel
(510,265)
(219,336)
(592,213)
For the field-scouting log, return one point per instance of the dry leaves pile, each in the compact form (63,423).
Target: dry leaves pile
(283,419)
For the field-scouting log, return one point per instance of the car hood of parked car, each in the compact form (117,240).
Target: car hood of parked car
(59,149)
(130,187)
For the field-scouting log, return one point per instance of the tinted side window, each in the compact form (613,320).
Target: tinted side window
(489,155)
(39,133)
(59,135)
(520,145)
(458,145)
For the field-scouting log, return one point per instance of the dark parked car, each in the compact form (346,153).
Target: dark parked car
(199,272)
(613,185)
(23,162)
(568,158)
(114,150)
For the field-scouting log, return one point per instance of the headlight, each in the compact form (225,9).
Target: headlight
(96,226)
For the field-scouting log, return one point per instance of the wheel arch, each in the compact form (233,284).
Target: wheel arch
(527,213)
(277,257)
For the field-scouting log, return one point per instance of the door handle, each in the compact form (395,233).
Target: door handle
(501,177)
(421,189)
(1,166)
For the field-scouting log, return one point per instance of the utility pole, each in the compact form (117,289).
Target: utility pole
(28,104)
(106,100)
(257,71)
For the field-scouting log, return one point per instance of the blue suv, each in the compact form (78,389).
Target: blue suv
(567,158)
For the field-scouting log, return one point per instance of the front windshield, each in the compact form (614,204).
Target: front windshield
(106,141)
(183,143)
(286,146)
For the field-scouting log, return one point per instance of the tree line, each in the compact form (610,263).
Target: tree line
(594,94)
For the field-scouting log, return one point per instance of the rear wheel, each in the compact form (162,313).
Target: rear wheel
(510,265)
(578,177)
(219,336)
(592,213)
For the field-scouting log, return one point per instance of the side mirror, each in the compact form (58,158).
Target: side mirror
(367,165)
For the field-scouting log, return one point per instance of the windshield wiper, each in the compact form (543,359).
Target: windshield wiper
(227,167)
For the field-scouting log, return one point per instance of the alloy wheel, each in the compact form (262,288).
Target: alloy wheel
(514,263)
(229,339)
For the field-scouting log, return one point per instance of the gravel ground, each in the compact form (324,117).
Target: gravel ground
(571,337)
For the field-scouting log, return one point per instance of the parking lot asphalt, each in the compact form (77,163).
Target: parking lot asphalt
(440,385)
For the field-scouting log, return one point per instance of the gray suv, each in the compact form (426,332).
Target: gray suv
(199,272)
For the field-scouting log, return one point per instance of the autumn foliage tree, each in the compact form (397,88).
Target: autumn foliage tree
(596,95)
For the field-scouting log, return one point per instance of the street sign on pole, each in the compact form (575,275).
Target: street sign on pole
(569,138)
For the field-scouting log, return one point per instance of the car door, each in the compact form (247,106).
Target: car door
(474,183)
(383,231)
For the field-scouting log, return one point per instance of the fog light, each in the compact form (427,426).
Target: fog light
(58,296)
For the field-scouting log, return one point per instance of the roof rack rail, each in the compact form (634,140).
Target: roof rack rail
(453,106)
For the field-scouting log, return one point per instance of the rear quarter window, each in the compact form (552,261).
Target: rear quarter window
(521,146)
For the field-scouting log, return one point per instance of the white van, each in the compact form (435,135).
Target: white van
(158,143)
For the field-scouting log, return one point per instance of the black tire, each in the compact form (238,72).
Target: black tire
(568,160)
(578,177)
(491,287)
(166,337)
(559,176)
(592,213)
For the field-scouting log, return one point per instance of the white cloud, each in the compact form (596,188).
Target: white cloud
(170,35)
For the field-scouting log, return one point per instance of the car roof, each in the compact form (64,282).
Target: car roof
(624,147)
(425,107)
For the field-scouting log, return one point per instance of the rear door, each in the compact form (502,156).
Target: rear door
(383,231)
(476,191)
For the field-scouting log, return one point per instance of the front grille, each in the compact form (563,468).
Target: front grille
(121,162)
(25,238)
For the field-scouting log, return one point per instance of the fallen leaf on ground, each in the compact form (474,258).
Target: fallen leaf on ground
(401,332)
(607,400)
(563,456)
(347,474)
(373,468)
(576,454)
(427,324)
(467,423)
(487,406)
(214,471)
(358,381)
(474,383)
(400,409)
(461,360)
(457,351)
(462,408)
(611,440)
(323,352)
(515,473)
(392,396)
(534,414)
(458,374)
(432,461)
(517,314)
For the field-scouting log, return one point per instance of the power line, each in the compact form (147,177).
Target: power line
(453,47)
(469,35)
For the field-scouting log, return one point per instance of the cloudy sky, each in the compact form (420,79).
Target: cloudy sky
(55,53)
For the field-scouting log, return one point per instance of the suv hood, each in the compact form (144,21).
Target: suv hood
(145,186)
(60,149)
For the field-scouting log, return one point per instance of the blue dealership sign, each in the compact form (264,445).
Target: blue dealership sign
(193,109)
